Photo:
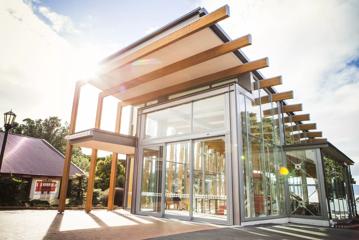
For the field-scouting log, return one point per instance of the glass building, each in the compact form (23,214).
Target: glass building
(208,137)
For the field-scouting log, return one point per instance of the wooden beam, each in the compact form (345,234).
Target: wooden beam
(269,82)
(68,153)
(92,171)
(201,23)
(308,135)
(182,64)
(292,108)
(307,126)
(313,134)
(297,118)
(99,110)
(274,97)
(113,174)
(198,82)
(314,140)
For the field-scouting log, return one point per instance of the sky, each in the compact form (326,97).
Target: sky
(46,46)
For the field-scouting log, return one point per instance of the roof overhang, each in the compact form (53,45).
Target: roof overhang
(103,140)
(162,61)
(334,153)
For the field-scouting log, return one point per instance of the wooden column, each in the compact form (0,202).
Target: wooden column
(68,153)
(113,175)
(92,171)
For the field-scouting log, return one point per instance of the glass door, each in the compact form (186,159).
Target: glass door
(209,179)
(151,184)
(177,179)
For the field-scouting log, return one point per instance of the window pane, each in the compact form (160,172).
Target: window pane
(303,183)
(208,114)
(169,122)
(151,179)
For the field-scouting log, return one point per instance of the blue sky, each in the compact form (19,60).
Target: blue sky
(110,22)
(46,46)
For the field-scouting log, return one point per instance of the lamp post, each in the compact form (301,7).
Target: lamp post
(9,118)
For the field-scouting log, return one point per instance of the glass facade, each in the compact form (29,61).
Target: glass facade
(186,166)
(261,159)
(194,181)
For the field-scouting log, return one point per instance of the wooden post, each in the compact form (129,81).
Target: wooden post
(67,160)
(91,179)
(113,175)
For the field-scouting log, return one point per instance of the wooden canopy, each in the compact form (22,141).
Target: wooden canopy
(180,57)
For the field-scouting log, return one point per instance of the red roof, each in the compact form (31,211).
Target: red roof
(33,156)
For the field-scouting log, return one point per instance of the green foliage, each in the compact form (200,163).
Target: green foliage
(77,188)
(334,178)
(81,160)
(51,129)
(103,171)
(13,191)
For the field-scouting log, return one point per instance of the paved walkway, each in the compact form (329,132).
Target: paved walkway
(119,224)
(270,232)
(99,224)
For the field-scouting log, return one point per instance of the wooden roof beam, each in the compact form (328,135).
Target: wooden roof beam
(201,23)
(308,135)
(299,127)
(314,140)
(297,118)
(292,108)
(182,64)
(269,82)
(274,97)
(221,75)
(285,109)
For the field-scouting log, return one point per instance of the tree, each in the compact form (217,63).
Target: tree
(103,171)
(51,129)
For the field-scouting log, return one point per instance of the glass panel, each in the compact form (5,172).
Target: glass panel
(177,179)
(169,122)
(208,114)
(209,181)
(261,161)
(303,183)
(151,179)
(336,178)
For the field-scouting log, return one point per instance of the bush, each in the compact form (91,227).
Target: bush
(39,203)
(118,201)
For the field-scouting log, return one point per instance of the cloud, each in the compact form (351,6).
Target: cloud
(38,67)
(314,45)
(58,22)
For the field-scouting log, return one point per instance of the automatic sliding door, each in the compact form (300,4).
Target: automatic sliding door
(177,179)
(209,180)
(151,193)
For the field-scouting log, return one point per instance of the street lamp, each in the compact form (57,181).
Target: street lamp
(9,118)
